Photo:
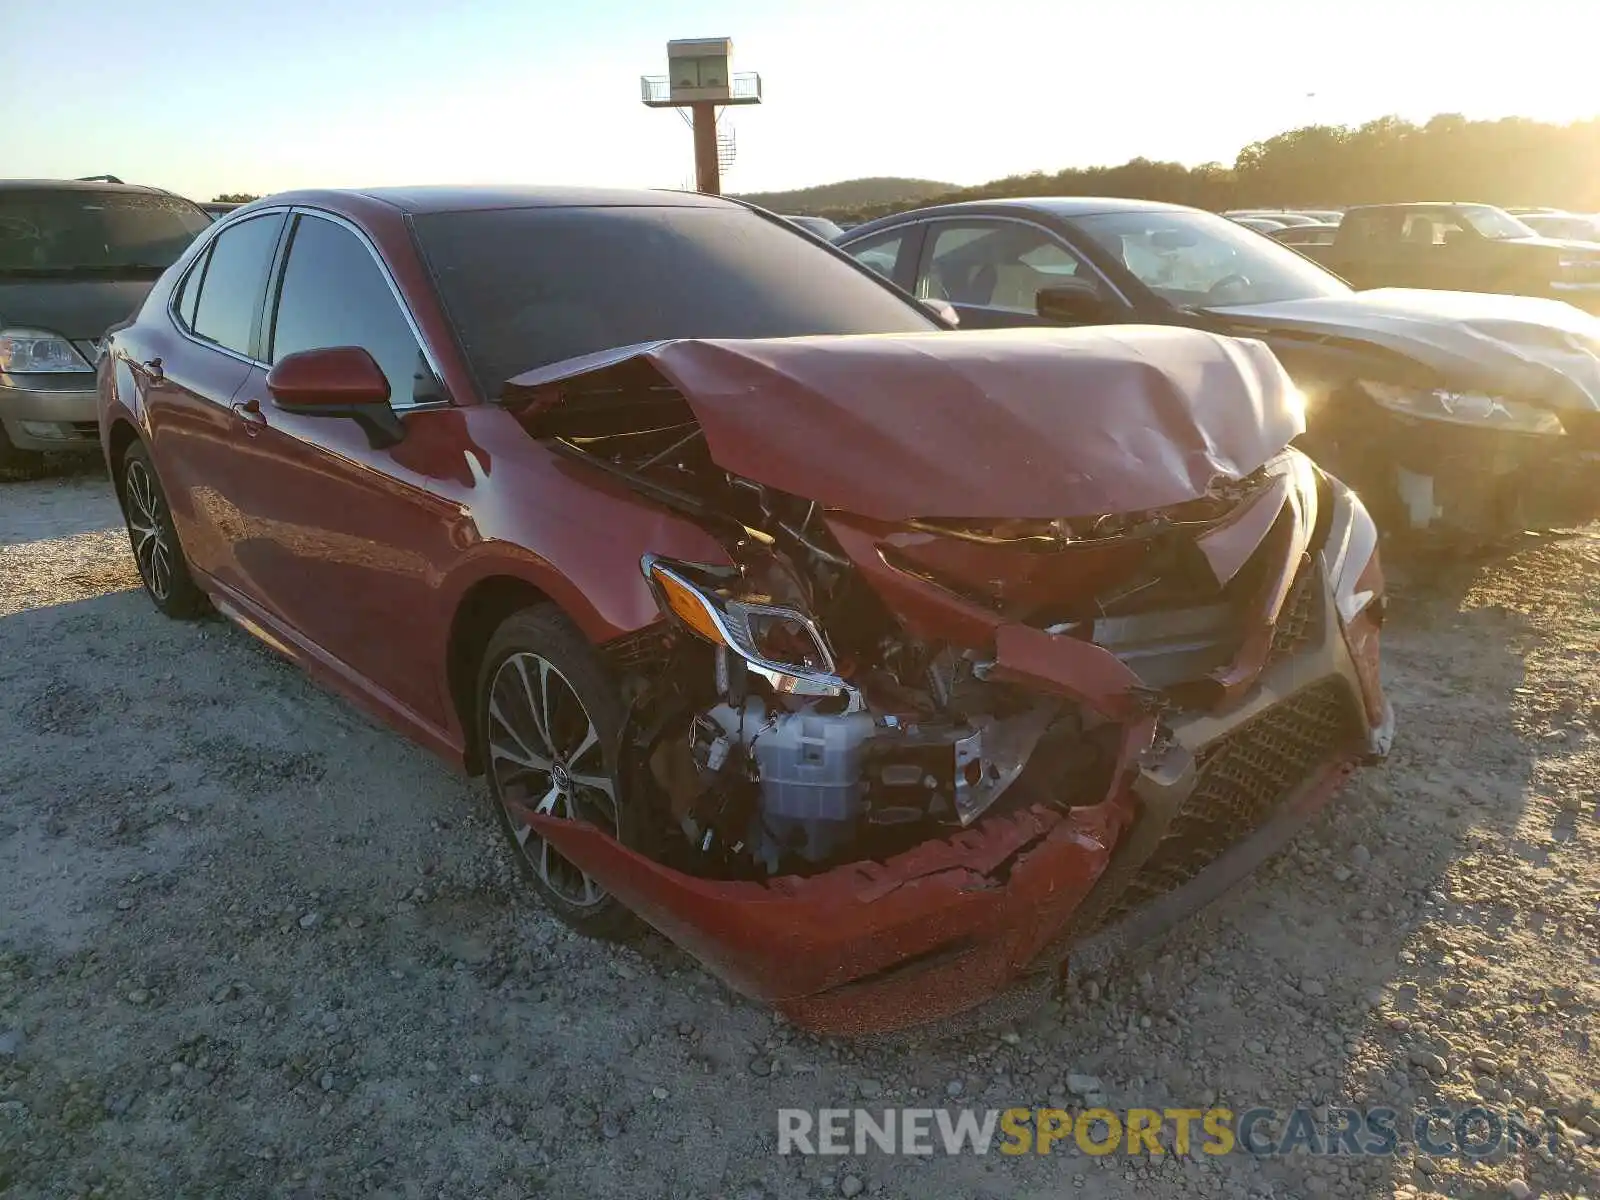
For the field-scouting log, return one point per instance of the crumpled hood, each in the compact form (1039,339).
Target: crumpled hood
(77,309)
(1519,346)
(1025,423)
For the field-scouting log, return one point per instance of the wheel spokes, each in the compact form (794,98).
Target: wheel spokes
(554,804)
(517,751)
(151,552)
(535,698)
(535,715)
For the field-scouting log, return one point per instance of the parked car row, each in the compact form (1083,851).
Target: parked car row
(1285,218)
(1311,227)
(877,671)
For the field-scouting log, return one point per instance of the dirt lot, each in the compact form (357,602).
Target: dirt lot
(252,945)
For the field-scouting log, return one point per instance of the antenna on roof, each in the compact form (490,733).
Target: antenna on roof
(98,179)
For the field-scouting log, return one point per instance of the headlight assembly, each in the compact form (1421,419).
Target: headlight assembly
(1464,408)
(782,645)
(38,352)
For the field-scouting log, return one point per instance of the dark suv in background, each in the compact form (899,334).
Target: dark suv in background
(76,256)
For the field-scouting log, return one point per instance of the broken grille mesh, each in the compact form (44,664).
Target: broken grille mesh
(1300,621)
(1242,780)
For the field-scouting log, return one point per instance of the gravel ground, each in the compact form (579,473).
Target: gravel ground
(253,945)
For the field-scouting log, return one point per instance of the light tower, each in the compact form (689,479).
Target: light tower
(699,80)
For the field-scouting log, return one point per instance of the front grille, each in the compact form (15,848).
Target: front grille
(1243,778)
(1300,620)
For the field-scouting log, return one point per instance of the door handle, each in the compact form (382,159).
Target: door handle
(249,411)
(152,368)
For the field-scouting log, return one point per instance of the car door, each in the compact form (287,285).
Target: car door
(346,542)
(188,390)
(992,270)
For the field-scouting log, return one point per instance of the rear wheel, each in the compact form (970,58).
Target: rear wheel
(549,718)
(162,566)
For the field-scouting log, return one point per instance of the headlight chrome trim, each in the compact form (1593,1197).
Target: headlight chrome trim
(726,622)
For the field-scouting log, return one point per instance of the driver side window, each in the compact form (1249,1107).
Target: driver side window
(999,265)
(333,293)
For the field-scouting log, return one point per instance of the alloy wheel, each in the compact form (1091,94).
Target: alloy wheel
(546,757)
(152,548)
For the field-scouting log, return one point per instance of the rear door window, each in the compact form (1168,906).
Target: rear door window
(334,293)
(880,253)
(1432,228)
(233,282)
(1001,265)
(1375,230)
(189,291)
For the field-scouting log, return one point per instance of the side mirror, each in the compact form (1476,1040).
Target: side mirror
(1070,305)
(944,310)
(337,381)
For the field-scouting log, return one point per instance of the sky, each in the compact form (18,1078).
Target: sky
(209,96)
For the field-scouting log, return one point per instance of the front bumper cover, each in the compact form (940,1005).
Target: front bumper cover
(58,406)
(955,923)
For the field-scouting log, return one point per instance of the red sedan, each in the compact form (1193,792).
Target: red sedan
(881,666)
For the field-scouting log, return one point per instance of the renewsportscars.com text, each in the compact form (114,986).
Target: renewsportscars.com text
(1474,1132)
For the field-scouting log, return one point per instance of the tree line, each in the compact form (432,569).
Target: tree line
(1509,162)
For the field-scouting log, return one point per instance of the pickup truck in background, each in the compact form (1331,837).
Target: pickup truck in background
(1458,247)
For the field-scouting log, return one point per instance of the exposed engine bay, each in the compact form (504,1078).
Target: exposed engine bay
(797,713)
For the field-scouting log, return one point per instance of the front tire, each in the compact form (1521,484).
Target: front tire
(548,720)
(154,539)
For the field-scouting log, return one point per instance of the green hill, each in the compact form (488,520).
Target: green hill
(1508,161)
(882,191)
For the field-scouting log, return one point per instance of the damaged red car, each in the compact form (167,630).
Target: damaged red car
(881,667)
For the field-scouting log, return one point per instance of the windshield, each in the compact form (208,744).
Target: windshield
(76,230)
(1198,260)
(526,287)
(1494,223)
